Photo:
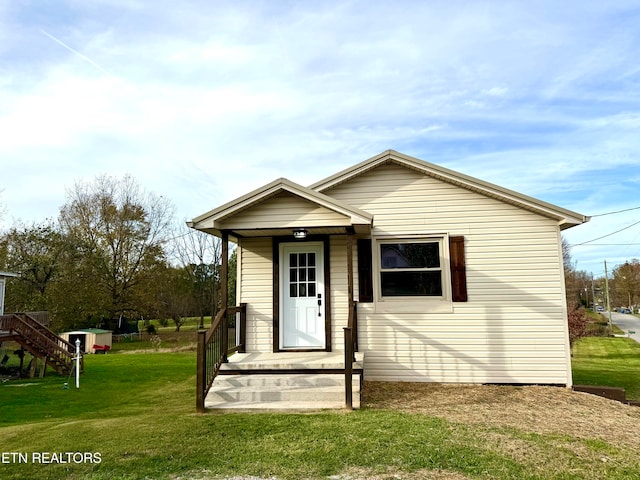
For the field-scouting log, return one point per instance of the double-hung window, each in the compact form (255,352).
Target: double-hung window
(412,275)
(411,268)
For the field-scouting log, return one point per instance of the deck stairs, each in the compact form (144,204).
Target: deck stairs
(284,381)
(37,339)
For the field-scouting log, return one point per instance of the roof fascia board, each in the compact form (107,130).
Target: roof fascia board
(564,216)
(353,171)
(227,210)
(259,192)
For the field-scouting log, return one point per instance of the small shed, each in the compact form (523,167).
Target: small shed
(90,338)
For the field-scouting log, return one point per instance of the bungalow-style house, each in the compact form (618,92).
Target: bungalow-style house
(438,277)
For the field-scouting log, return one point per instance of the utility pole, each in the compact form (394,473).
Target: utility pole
(593,293)
(606,286)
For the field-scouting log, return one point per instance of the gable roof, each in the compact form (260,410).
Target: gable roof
(566,218)
(213,221)
(88,330)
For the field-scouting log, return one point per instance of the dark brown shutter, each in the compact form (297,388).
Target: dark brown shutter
(458,269)
(365,270)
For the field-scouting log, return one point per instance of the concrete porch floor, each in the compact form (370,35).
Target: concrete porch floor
(290,361)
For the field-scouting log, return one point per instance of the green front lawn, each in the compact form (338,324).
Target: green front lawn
(135,412)
(608,361)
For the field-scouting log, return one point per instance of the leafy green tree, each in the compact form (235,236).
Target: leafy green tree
(626,284)
(37,253)
(175,299)
(118,233)
(232,280)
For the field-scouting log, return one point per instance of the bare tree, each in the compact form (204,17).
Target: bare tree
(200,256)
(3,208)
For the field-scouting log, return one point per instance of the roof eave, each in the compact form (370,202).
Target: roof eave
(565,217)
(211,222)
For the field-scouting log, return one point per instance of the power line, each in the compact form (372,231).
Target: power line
(617,211)
(607,235)
(609,244)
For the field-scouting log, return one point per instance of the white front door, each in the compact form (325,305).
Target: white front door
(302,296)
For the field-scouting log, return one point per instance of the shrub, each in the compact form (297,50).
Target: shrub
(597,329)
(155,342)
(578,320)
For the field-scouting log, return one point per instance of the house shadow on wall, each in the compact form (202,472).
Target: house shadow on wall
(515,336)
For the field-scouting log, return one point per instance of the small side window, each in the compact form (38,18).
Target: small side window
(365,270)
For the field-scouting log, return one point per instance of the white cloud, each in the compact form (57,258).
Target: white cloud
(206,100)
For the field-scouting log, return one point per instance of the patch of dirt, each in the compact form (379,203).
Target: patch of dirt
(356,474)
(544,410)
(183,348)
(393,474)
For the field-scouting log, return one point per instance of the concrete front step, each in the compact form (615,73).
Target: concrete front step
(281,391)
(298,361)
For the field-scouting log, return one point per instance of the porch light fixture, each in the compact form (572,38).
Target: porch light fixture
(300,234)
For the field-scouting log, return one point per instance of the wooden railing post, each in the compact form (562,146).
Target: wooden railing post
(348,368)
(213,349)
(354,333)
(242,347)
(200,371)
(224,283)
(349,241)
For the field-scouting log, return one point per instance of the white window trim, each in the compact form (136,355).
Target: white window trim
(427,304)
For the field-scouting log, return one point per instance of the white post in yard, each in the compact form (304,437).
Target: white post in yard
(77,359)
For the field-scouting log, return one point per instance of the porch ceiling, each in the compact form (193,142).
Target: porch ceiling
(287,232)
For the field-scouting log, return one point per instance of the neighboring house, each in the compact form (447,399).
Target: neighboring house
(455,279)
(3,278)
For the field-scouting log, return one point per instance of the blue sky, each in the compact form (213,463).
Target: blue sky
(202,101)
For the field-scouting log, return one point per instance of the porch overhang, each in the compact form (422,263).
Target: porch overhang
(279,208)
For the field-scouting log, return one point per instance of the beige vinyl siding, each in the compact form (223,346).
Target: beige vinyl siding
(512,329)
(285,210)
(256,291)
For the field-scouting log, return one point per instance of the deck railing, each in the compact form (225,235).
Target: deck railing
(350,349)
(41,317)
(214,346)
(38,340)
